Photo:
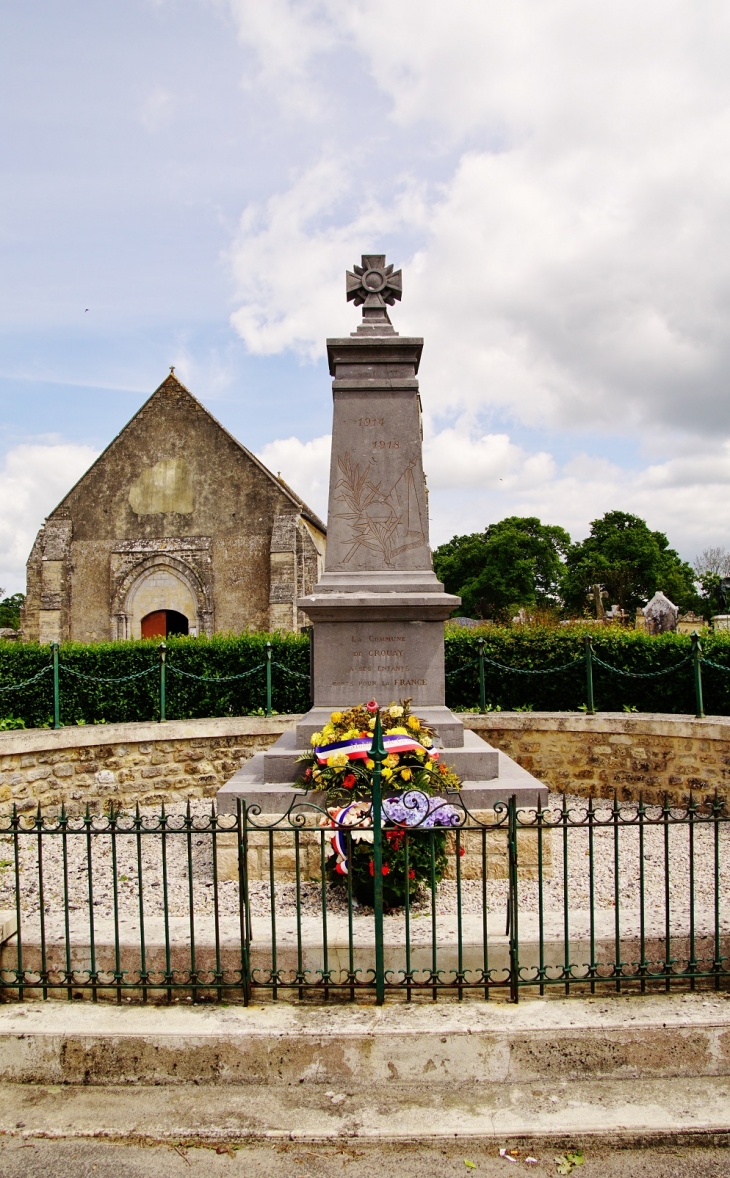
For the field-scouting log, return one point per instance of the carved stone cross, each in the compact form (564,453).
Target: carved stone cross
(372,286)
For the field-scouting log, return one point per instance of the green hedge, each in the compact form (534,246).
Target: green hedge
(138,698)
(541,648)
(529,648)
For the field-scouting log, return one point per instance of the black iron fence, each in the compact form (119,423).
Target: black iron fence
(583,897)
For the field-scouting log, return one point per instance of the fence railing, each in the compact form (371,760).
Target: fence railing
(56,670)
(590,660)
(584,897)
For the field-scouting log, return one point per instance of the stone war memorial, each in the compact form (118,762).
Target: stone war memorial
(378,610)
(373,872)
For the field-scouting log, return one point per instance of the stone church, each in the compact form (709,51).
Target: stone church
(176,529)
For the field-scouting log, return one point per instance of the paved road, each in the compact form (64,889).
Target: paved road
(98,1159)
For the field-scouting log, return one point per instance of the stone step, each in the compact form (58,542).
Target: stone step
(471,1047)
(449,727)
(275,797)
(328,1126)
(474,761)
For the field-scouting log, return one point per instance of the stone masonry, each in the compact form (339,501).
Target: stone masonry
(127,763)
(150,763)
(632,754)
(175,515)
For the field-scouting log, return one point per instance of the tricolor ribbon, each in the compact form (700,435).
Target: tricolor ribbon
(358,748)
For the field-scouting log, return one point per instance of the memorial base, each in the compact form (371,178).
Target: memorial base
(487,774)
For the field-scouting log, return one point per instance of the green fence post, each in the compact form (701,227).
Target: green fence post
(56,688)
(697,669)
(513,926)
(162,649)
(591,707)
(377,754)
(482,692)
(268,678)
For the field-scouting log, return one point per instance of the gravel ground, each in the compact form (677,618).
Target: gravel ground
(131,852)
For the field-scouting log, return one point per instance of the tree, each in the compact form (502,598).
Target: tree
(516,562)
(715,561)
(10,608)
(630,561)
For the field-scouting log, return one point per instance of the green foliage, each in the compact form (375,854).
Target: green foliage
(709,603)
(516,562)
(11,722)
(539,647)
(396,881)
(138,699)
(630,561)
(536,647)
(10,608)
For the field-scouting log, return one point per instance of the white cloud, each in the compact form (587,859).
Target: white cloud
(34,477)
(476,480)
(288,262)
(572,268)
(562,234)
(305,466)
(157,109)
(286,36)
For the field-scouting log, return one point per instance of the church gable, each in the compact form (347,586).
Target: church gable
(175,518)
(172,469)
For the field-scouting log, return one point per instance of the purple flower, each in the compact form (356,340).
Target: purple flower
(418,809)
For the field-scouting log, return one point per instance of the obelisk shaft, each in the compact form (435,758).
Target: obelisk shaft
(378,610)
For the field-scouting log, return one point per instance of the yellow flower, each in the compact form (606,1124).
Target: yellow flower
(426,742)
(398,732)
(420,753)
(315,739)
(414,723)
(429,764)
(337,761)
(395,710)
(371,722)
(387,774)
(391,760)
(406,774)
(328,730)
(336,717)
(369,764)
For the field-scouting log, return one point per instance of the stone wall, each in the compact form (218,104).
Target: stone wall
(175,514)
(127,763)
(632,754)
(151,763)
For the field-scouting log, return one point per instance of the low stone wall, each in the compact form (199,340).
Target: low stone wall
(128,763)
(644,753)
(151,763)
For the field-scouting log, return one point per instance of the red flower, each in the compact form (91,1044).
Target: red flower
(462,851)
(411,874)
(385,869)
(372,705)
(348,780)
(307,773)
(443,770)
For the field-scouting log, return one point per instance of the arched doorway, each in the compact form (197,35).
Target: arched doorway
(163,622)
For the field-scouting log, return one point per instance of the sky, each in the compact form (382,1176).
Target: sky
(185,182)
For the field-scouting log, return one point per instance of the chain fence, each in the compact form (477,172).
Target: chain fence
(163,667)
